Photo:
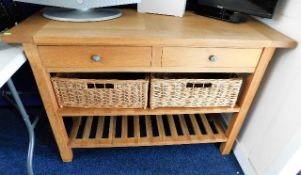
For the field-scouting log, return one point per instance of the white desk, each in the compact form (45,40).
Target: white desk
(11,59)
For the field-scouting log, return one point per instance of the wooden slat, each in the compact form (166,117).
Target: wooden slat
(159,111)
(172,126)
(100,127)
(124,133)
(184,126)
(149,131)
(150,140)
(136,129)
(206,125)
(75,128)
(160,125)
(112,128)
(195,125)
(218,126)
(87,129)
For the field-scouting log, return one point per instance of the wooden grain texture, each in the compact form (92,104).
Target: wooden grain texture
(112,129)
(279,40)
(251,86)
(148,30)
(81,56)
(195,126)
(184,127)
(172,126)
(149,131)
(124,133)
(44,84)
(26,30)
(87,128)
(136,130)
(157,56)
(199,57)
(206,125)
(100,126)
(74,130)
(160,125)
(218,125)
(159,111)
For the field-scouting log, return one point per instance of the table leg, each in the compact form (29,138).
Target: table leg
(30,126)
(251,86)
(43,81)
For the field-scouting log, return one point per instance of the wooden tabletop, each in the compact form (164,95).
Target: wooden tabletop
(149,29)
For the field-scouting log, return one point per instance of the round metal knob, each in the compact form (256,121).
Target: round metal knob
(213,58)
(96,58)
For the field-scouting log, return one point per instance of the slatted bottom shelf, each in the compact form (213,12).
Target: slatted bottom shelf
(124,131)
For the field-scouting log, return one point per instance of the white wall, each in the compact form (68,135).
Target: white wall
(271,138)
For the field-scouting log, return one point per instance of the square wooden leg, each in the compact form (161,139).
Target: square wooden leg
(42,78)
(251,86)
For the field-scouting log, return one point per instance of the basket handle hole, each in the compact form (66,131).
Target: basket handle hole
(91,86)
(99,86)
(110,86)
(189,85)
(207,85)
(199,85)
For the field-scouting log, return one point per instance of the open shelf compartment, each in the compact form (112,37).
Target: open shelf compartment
(124,131)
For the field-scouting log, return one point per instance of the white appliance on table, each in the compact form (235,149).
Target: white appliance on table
(164,7)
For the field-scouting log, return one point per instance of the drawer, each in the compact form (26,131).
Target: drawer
(82,56)
(210,57)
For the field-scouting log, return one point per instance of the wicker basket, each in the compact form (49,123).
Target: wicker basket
(100,91)
(191,91)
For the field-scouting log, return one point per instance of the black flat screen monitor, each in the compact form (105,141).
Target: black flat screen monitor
(262,8)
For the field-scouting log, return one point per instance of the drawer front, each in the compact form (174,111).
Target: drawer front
(94,56)
(210,57)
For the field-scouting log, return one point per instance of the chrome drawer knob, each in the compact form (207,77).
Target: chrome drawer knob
(96,58)
(213,58)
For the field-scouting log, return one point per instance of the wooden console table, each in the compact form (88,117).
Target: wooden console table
(147,43)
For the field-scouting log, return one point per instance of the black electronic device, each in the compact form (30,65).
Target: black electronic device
(4,16)
(235,10)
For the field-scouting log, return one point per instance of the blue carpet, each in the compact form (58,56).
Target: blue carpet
(200,159)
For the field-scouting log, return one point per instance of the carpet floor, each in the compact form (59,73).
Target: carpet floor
(199,159)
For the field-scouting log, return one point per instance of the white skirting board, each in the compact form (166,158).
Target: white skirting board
(240,154)
(291,167)
(243,160)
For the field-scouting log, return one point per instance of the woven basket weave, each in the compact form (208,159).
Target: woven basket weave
(94,93)
(169,92)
